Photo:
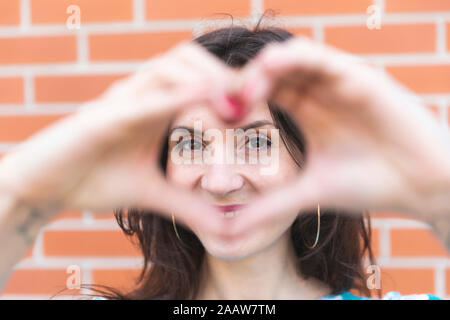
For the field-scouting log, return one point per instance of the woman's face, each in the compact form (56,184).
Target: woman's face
(233,181)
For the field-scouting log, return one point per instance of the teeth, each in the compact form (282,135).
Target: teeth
(230,214)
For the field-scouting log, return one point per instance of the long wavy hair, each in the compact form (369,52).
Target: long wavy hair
(171,269)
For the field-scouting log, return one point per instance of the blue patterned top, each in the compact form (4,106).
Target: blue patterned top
(392,295)
(346,295)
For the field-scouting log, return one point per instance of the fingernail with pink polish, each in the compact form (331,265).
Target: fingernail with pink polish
(232,107)
(236,105)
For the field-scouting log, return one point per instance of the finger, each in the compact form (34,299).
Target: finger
(187,207)
(299,54)
(159,105)
(184,63)
(193,55)
(323,186)
(189,63)
(166,74)
(305,54)
(225,83)
(293,197)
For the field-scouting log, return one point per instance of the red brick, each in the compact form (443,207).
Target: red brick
(9,12)
(104,215)
(407,281)
(133,46)
(423,78)
(392,215)
(15,128)
(174,9)
(72,88)
(38,281)
(416,5)
(301,31)
(299,7)
(33,49)
(375,243)
(11,90)
(87,243)
(415,242)
(447,277)
(51,11)
(389,39)
(448,36)
(122,279)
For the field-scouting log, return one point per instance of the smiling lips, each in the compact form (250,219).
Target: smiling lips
(229,211)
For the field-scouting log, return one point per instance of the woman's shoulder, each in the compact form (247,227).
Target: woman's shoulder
(391,295)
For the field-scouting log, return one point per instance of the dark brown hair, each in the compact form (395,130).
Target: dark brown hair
(171,268)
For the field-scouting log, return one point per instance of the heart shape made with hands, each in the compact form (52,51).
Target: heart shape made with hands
(358,145)
(370,144)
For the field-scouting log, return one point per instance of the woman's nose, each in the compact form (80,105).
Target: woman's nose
(221,179)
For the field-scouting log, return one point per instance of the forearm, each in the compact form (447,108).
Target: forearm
(435,207)
(19,227)
(20,222)
(438,216)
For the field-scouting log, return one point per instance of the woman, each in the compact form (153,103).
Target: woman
(352,140)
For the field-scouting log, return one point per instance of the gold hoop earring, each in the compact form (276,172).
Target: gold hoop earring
(318,229)
(175,228)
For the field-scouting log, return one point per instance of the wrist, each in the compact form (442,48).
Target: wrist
(15,211)
(434,200)
(438,214)
(12,195)
(9,197)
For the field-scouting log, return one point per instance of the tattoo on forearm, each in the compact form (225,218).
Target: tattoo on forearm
(19,228)
(30,226)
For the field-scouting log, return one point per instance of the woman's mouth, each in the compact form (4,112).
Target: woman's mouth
(229,211)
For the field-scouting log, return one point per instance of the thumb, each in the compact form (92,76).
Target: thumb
(187,207)
(302,194)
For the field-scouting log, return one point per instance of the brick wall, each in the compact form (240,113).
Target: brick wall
(46,70)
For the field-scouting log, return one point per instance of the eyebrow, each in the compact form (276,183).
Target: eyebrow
(251,125)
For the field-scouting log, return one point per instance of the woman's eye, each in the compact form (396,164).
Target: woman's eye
(190,144)
(258,142)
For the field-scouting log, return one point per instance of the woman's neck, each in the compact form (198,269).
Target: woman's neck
(267,275)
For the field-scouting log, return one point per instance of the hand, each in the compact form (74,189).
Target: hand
(370,143)
(106,156)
